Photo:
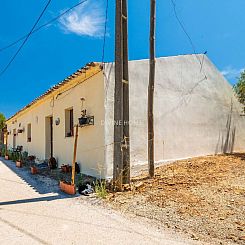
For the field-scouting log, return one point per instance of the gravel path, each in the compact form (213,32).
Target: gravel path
(34,211)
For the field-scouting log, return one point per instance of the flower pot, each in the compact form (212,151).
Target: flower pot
(34,170)
(68,188)
(66,168)
(83,120)
(18,164)
(6,157)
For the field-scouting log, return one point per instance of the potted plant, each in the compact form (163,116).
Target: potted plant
(83,120)
(6,154)
(34,170)
(25,157)
(65,168)
(3,152)
(52,163)
(68,187)
(19,162)
(31,158)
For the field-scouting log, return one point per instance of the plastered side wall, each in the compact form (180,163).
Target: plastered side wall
(90,152)
(195,110)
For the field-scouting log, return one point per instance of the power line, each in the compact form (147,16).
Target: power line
(105,31)
(27,37)
(185,31)
(42,26)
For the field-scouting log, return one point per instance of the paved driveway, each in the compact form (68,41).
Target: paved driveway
(34,211)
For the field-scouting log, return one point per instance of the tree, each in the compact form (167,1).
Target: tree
(2,120)
(240,88)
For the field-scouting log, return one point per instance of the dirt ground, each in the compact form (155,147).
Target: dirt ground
(34,211)
(203,197)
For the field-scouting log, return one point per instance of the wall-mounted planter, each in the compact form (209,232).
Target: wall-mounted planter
(6,157)
(34,170)
(68,188)
(19,164)
(86,120)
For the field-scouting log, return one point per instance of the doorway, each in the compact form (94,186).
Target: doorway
(14,138)
(48,137)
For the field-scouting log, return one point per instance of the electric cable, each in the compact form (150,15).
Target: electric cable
(26,39)
(42,26)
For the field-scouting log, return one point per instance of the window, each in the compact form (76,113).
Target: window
(69,122)
(28,132)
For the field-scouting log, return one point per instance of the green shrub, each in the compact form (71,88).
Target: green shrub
(3,151)
(100,188)
(25,156)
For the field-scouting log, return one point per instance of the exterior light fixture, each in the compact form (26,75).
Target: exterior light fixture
(57,121)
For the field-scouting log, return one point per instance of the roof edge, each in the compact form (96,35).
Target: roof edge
(67,80)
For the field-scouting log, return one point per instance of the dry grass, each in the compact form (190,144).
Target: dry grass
(203,196)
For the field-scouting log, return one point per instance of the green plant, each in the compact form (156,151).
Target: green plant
(9,153)
(100,188)
(2,120)
(3,151)
(80,180)
(18,156)
(25,156)
(14,156)
(239,88)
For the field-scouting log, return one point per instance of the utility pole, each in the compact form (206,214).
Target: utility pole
(74,156)
(151,90)
(121,165)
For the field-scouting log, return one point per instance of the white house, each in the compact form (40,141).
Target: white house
(195,110)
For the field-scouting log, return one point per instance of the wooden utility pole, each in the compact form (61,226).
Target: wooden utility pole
(74,156)
(121,167)
(151,90)
(126,150)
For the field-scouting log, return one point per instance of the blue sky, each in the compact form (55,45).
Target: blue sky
(66,45)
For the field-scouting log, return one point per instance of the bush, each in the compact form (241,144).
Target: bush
(100,188)
(3,151)
(25,156)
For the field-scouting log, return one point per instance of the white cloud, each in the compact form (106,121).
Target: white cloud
(86,20)
(232,73)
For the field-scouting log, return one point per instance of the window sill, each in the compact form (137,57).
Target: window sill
(69,136)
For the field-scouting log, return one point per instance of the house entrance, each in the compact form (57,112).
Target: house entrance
(14,138)
(48,137)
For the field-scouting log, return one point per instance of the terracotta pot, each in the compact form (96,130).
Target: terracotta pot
(34,170)
(18,164)
(6,157)
(68,188)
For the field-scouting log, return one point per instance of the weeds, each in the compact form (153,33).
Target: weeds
(100,188)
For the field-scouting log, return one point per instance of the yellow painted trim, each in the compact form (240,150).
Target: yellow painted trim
(66,86)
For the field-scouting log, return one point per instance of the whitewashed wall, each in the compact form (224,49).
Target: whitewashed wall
(90,153)
(194,116)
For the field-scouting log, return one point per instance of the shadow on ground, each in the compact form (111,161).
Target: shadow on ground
(40,184)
